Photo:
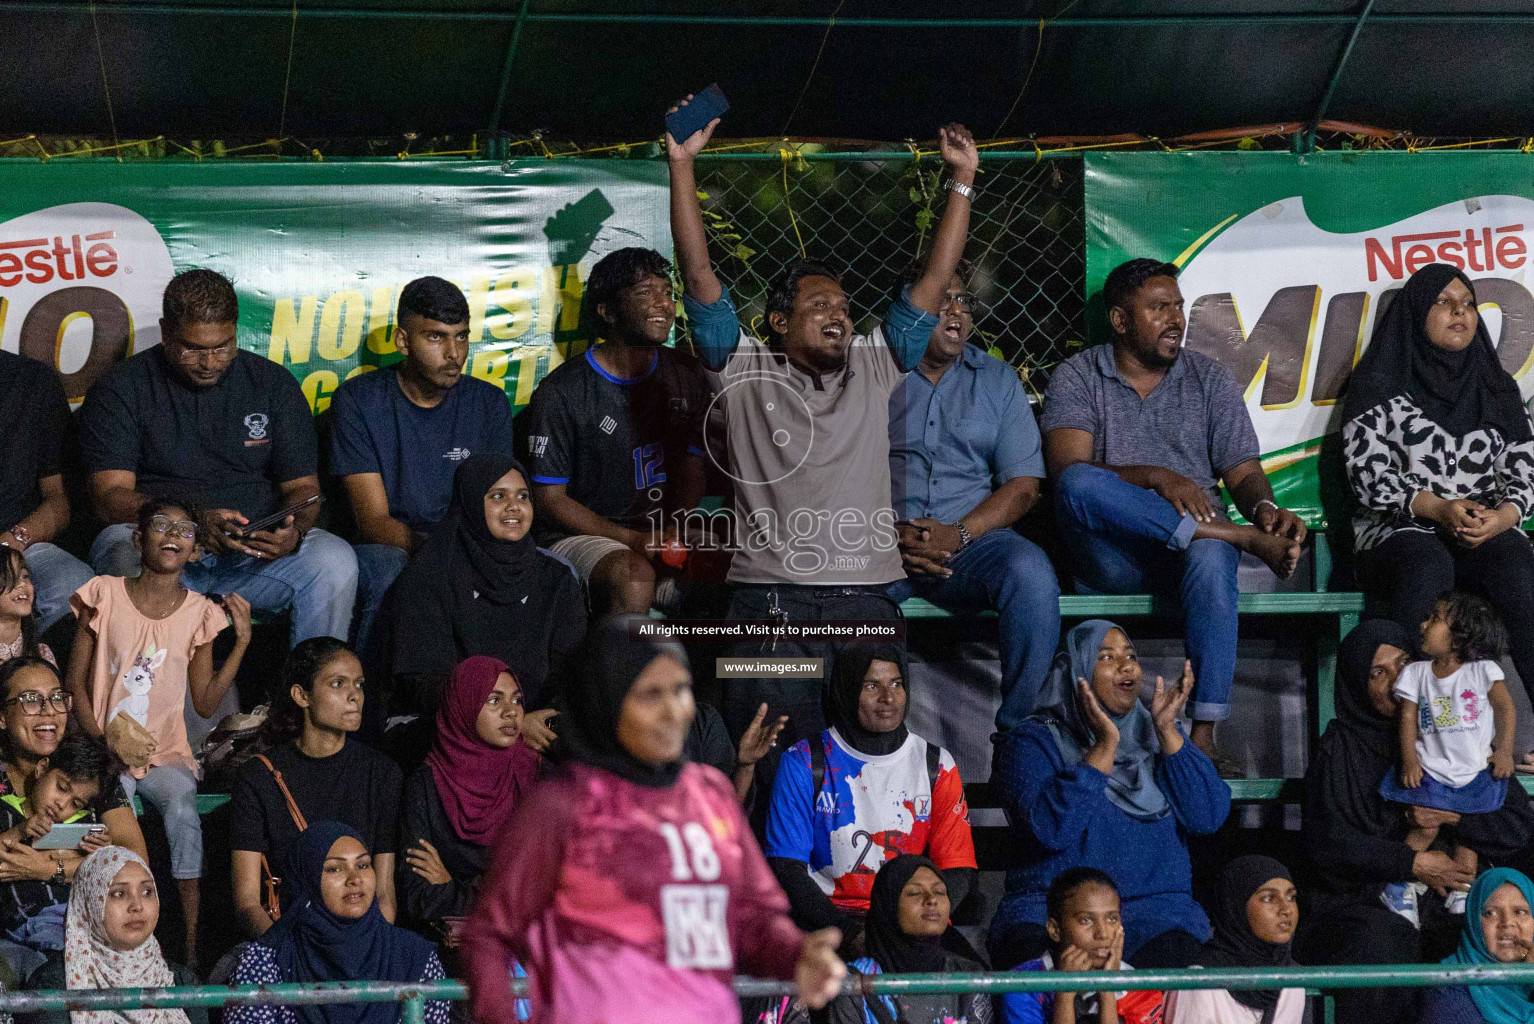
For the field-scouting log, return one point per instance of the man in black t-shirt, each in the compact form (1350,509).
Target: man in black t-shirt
(614,439)
(196,419)
(34,421)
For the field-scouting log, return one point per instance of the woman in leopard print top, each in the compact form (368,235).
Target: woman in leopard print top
(1440,455)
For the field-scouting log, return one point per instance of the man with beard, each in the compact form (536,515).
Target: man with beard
(965,464)
(806,421)
(1137,436)
(614,440)
(195,418)
(398,433)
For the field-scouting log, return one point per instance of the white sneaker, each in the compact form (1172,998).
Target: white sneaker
(1402,898)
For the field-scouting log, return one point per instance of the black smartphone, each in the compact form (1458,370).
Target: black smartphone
(704,106)
(267,522)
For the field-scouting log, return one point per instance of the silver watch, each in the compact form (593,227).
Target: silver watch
(964,538)
(964,190)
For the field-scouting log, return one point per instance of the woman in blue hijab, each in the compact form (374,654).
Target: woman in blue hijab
(1095,778)
(1499,929)
(333,931)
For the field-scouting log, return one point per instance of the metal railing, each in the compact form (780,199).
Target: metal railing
(415,996)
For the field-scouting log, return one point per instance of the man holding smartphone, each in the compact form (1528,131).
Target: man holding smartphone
(196,419)
(806,417)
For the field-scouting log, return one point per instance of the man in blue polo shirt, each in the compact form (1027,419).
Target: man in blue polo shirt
(1137,436)
(965,464)
(398,434)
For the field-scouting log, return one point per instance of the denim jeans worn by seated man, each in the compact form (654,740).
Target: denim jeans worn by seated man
(317,584)
(1125,539)
(952,444)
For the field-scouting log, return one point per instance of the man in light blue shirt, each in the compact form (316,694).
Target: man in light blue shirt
(965,464)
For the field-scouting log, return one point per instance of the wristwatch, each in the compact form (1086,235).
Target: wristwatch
(967,191)
(23,537)
(59,877)
(964,537)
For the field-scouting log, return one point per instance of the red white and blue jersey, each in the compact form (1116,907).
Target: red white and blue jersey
(870,808)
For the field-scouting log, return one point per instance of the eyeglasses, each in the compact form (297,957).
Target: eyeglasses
(964,303)
(189,356)
(173,527)
(32,702)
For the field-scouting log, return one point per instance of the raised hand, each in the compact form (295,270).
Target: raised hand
(691,146)
(1105,735)
(759,737)
(238,610)
(1167,704)
(1116,953)
(1074,960)
(958,148)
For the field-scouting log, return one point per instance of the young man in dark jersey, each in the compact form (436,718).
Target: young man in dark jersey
(614,439)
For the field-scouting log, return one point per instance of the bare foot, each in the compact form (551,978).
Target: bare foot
(1280,554)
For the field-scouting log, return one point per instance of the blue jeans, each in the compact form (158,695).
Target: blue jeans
(56,575)
(1004,571)
(378,566)
(317,584)
(172,790)
(1125,539)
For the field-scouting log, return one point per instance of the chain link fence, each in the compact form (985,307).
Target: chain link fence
(873,214)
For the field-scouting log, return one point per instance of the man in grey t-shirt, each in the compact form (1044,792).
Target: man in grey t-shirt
(1137,435)
(806,420)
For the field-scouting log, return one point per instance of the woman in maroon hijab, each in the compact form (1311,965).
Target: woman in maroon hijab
(455,804)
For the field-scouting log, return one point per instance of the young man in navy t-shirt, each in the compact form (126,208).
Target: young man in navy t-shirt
(614,439)
(398,434)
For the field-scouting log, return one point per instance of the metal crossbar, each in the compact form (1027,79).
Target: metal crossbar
(414,996)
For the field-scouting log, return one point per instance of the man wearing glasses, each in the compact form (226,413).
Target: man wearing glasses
(196,419)
(965,464)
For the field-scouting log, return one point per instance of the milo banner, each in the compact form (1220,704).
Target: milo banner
(318,253)
(1287,262)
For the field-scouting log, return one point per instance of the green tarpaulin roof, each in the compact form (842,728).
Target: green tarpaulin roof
(889,69)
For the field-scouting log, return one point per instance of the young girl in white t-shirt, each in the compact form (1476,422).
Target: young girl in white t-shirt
(1456,718)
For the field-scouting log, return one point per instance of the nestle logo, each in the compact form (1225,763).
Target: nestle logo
(70,261)
(1470,250)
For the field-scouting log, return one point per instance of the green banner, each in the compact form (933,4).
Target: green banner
(318,253)
(1287,261)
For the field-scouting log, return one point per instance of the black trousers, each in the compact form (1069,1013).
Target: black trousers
(1337,931)
(1404,576)
(799,699)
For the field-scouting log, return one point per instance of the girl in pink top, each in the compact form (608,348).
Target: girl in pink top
(630,887)
(142,645)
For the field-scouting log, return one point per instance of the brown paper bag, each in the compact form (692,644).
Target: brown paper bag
(130,741)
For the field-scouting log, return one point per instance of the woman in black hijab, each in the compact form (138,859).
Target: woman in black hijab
(867,792)
(480,586)
(1440,455)
(1357,842)
(1254,918)
(629,885)
(907,932)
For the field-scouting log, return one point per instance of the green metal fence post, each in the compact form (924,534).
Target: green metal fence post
(415,1010)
